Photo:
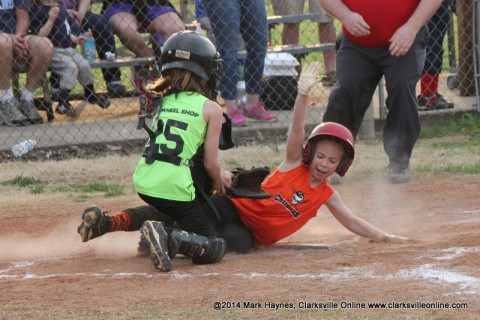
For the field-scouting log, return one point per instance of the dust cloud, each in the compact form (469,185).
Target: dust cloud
(64,241)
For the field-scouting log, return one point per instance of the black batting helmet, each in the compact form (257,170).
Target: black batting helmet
(193,52)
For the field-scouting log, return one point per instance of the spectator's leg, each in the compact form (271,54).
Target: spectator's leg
(166,22)
(290,31)
(254,30)
(41,51)
(327,34)
(430,98)
(6,58)
(104,42)
(87,79)
(126,27)
(9,113)
(63,65)
(224,17)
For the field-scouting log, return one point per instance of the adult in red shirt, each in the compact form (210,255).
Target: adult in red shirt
(381,39)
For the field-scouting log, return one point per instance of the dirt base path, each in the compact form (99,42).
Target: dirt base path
(46,272)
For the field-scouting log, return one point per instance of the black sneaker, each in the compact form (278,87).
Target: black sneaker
(95,223)
(398,173)
(66,109)
(101,102)
(157,237)
(115,88)
(434,101)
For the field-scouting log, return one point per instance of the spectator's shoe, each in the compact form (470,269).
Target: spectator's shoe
(95,223)
(12,115)
(2,119)
(29,110)
(157,238)
(434,101)
(398,173)
(100,101)
(329,79)
(66,109)
(55,94)
(141,78)
(259,113)
(237,119)
(116,88)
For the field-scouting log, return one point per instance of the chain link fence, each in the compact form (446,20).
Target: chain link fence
(137,46)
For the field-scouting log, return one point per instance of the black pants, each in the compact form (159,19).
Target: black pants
(188,215)
(139,215)
(104,41)
(230,227)
(359,70)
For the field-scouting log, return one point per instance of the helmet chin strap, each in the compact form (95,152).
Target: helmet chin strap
(212,85)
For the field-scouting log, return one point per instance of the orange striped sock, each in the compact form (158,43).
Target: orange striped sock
(120,222)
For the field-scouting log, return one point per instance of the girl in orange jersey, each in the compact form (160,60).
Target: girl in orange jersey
(299,185)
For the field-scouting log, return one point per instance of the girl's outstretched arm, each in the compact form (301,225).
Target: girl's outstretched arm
(294,149)
(358,225)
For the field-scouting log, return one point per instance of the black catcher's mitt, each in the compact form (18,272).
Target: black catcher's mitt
(247,183)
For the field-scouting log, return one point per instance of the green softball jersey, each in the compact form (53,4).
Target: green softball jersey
(183,130)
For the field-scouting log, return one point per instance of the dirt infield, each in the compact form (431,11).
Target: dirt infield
(47,273)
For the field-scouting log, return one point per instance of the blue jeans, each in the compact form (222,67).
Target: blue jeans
(232,19)
(437,25)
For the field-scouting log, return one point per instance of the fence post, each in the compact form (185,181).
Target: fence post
(367,128)
(476,49)
(465,31)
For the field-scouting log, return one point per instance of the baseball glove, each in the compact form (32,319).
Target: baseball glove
(247,183)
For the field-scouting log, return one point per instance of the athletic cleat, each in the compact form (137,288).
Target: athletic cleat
(95,223)
(157,237)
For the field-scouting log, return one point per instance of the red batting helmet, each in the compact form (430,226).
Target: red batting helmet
(338,133)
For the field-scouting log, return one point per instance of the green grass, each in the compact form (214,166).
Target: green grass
(37,186)
(468,124)
(110,190)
